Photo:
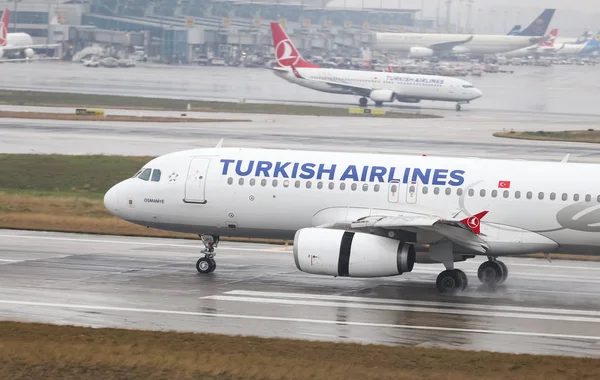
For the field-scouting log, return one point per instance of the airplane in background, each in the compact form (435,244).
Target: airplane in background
(18,46)
(582,48)
(516,29)
(380,87)
(424,45)
(542,48)
(369,215)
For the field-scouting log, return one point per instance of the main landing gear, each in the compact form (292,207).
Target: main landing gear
(207,264)
(451,281)
(458,106)
(493,272)
(363,102)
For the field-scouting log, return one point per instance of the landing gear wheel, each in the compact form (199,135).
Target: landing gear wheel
(450,282)
(464,278)
(363,102)
(458,107)
(206,265)
(504,271)
(490,273)
(378,104)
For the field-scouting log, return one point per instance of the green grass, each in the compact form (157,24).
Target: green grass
(587,136)
(40,98)
(65,174)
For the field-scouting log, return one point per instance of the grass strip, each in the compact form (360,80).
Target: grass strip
(124,118)
(40,351)
(586,136)
(41,98)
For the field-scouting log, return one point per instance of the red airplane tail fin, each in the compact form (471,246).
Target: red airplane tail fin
(286,53)
(4,27)
(474,222)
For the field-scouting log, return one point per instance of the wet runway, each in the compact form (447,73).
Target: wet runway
(462,134)
(147,283)
(547,90)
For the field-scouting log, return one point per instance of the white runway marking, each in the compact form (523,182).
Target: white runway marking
(299,320)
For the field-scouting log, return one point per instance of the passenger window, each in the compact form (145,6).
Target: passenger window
(274,183)
(376,188)
(331,185)
(494,193)
(342,186)
(425,190)
(365,187)
(540,195)
(263,182)
(459,191)
(241,181)
(506,194)
(286,183)
(471,192)
(436,190)
(411,189)
(155,175)
(565,196)
(395,188)
(353,187)
(319,185)
(552,196)
(588,198)
(598,198)
(252,181)
(517,194)
(145,174)
(230,181)
(297,184)
(576,197)
(308,184)
(482,192)
(529,195)
(448,191)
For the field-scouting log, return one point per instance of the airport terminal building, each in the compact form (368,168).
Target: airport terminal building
(180,30)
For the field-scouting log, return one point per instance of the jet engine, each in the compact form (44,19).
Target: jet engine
(382,96)
(28,53)
(420,52)
(408,100)
(351,254)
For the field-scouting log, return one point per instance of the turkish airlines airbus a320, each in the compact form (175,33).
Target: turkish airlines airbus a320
(369,215)
(380,87)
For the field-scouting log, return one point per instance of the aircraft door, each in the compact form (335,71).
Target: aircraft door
(412,189)
(394,191)
(195,184)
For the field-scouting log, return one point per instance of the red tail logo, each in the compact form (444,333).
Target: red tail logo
(550,43)
(285,51)
(474,222)
(4,28)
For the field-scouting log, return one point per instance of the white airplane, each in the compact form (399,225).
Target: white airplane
(542,48)
(369,215)
(15,45)
(583,48)
(378,86)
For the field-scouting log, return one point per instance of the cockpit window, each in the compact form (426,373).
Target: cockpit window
(468,86)
(145,174)
(136,174)
(156,175)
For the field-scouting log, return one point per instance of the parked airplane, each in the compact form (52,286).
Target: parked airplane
(17,46)
(542,48)
(369,215)
(580,49)
(514,31)
(378,86)
(423,45)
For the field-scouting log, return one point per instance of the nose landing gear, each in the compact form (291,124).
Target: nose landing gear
(207,264)
(458,106)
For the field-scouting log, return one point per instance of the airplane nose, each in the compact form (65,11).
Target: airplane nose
(111,200)
(477,93)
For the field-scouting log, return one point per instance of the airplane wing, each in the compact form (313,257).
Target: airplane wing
(449,45)
(11,60)
(334,83)
(464,232)
(19,48)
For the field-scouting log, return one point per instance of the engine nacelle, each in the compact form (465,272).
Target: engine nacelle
(29,53)
(351,254)
(420,52)
(382,95)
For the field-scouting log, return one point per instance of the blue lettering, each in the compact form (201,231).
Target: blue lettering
(377,172)
(392,177)
(330,171)
(439,177)
(308,171)
(457,178)
(243,173)
(263,167)
(363,175)
(350,173)
(226,165)
(423,177)
(280,170)
(295,169)
(406,173)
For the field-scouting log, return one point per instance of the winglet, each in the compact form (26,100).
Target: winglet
(390,70)
(220,143)
(4,27)
(474,222)
(565,159)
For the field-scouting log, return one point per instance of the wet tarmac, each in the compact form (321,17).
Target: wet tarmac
(547,90)
(143,283)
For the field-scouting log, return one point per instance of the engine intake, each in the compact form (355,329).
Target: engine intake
(420,52)
(382,95)
(351,254)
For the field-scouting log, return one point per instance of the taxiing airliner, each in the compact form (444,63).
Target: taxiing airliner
(580,48)
(380,87)
(17,46)
(369,215)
